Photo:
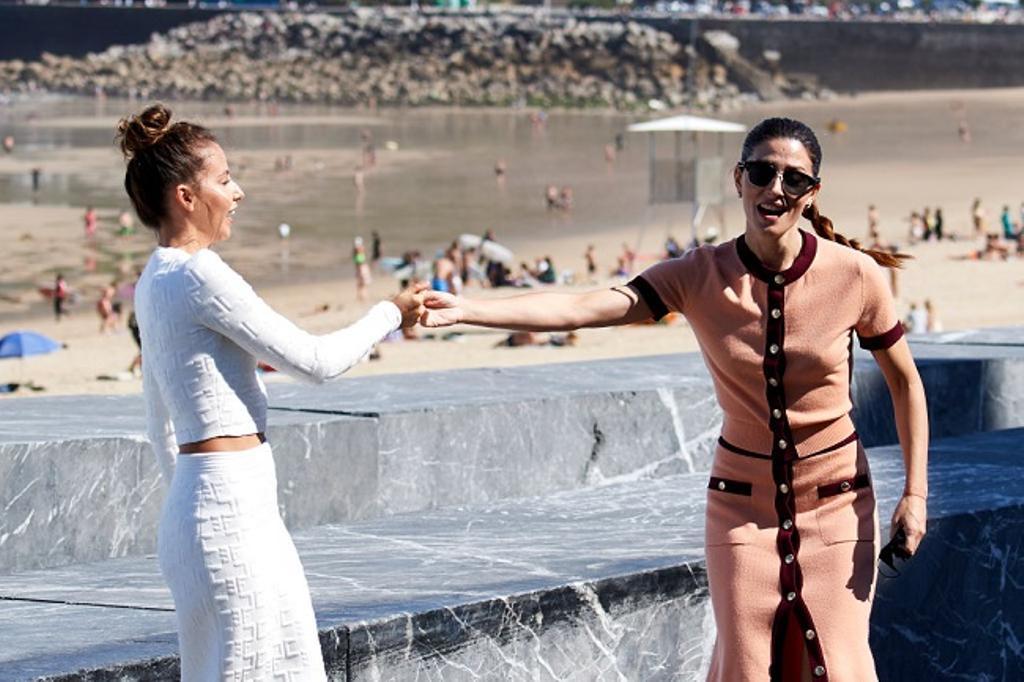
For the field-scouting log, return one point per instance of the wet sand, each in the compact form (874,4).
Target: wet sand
(901,152)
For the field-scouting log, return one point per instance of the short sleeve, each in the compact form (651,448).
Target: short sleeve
(879,326)
(662,285)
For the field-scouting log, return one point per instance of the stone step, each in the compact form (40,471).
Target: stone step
(78,481)
(595,581)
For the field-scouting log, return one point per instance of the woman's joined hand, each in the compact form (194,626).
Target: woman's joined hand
(410,303)
(441,310)
(912,514)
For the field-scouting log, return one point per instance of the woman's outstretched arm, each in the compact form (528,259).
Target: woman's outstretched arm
(224,302)
(538,312)
(911,409)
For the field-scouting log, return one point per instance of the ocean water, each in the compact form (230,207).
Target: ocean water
(439,183)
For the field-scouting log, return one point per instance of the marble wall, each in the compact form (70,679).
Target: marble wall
(85,487)
(644,626)
(957,610)
(581,584)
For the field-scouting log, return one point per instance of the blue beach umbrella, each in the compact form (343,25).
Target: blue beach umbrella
(21,344)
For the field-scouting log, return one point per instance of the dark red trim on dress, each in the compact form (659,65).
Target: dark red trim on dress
(844,486)
(750,453)
(808,248)
(650,296)
(783,456)
(726,485)
(882,341)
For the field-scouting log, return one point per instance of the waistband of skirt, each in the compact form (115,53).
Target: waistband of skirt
(254,462)
(810,440)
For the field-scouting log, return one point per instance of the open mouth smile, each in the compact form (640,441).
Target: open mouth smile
(772,210)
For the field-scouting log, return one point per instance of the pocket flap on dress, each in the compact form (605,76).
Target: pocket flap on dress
(844,486)
(726,485)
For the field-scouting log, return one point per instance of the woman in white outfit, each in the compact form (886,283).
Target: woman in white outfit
(242,603)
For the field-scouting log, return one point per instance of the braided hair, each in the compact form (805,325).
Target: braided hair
(789,129)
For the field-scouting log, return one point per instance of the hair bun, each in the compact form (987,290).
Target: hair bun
(140,132)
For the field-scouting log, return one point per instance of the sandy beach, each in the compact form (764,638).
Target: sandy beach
(901,152)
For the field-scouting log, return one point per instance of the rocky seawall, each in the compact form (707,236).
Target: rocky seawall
(402,58)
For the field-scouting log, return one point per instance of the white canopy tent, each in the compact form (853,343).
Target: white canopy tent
(687,124)
(696,179)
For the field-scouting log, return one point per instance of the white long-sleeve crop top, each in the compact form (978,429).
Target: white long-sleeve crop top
(203,331)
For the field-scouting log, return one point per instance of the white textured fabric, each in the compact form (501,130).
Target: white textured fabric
(204,328)
(240,596)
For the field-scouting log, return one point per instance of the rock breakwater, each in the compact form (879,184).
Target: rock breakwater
(396,58)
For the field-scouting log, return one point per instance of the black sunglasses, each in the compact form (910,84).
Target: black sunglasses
(895,549)
(794,183)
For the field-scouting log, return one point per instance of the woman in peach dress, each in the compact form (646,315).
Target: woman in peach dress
(791,529)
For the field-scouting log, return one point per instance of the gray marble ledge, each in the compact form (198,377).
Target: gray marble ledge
(952,351)
(377,577)
(69,419)
(84,487)
(990,336)
(97,498)
(957,610)
(72,418)
(393,393)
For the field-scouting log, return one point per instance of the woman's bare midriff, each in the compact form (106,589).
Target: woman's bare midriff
(223,444)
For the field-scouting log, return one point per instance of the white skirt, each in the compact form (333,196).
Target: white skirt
(240,595)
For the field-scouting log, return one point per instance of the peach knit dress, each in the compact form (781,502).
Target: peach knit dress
(791,530)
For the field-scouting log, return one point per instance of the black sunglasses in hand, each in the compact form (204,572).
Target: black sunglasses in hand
(794,183)
(895,549)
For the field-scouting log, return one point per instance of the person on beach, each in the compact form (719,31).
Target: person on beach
(609,154)
(90,221)
(362,267)
(939,226)
(978,218)
(929,223)
(917,320)
(672,247)
(934,324)
(994,249)
(791,528)
(135,368)
(105,309)
(916,233)
(61,293)
(628,258)
(241,600)
(376,248)
(565,199)
(551,197)
(590,258)
(1009,227)
(125,224)
(874,221)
